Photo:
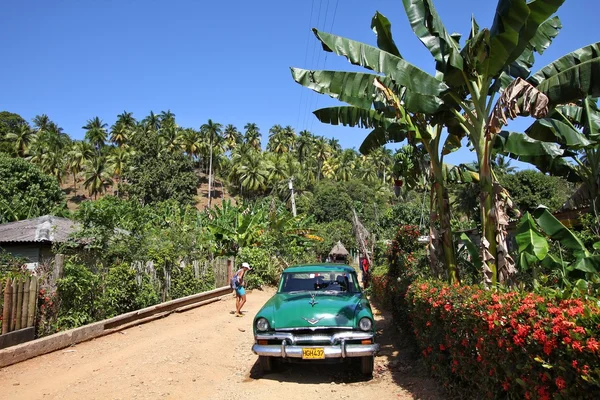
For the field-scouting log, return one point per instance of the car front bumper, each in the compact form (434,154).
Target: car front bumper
(337,347)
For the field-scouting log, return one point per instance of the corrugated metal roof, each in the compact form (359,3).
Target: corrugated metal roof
(47,228)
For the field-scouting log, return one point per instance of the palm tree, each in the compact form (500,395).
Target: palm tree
(321,151)
(252,135)
(346,165)
(123,129)
(21,137)
(117,162)
(80,152)
(254,173)
(152,122)
(190,142)
(501,165)
(232,137)
(41,123)
(96,132)
(119,134)
(214,131)
(304,144)
(97,178)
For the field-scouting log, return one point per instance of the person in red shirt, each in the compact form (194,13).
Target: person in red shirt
(365,271)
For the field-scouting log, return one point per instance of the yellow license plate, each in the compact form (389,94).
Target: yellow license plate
(313,353)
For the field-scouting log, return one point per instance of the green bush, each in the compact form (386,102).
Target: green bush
(185,283)
(265,270)
(78,291)
(122,293)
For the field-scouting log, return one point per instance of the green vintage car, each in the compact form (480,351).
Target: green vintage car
(318,313)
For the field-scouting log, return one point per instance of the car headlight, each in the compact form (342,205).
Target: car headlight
(262,325)
(365,324)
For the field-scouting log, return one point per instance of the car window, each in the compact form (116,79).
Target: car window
(319,281)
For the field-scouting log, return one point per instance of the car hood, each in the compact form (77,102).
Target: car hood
(296,310)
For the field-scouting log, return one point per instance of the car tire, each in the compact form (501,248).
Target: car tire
(266,364)
(366,365)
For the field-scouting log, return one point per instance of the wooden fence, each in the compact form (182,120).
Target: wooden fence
(19,310)
(221,268)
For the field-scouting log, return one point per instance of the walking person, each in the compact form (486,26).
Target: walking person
(365,272)
(238,283)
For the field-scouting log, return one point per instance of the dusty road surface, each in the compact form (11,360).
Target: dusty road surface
(206,353)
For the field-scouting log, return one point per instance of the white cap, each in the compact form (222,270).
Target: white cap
(246,265)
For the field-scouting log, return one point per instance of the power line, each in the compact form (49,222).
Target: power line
(326,54)
(312,118)
(302,89)
(312,61)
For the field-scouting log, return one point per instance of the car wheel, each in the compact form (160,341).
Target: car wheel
(266,364)
(366,365)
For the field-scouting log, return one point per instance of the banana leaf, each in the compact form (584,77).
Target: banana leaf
(394,67)
(557,231)
(383,29)
(379,137)
(547,157)
(473,251)
(555,130)
(571,77)
(510,20)
(353,116)
(529,238)
(354,88)
(589,264)
(545,34)
(427,25)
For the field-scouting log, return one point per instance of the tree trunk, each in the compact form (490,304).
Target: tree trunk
(443,214)
(488,225)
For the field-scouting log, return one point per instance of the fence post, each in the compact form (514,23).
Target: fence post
(19,304)
(33,292)
(25,307)
(13,311)
(229,269)
(59,265)
(7,307)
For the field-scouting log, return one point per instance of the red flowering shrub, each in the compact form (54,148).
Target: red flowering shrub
(515,345)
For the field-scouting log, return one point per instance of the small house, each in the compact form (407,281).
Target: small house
(33,238)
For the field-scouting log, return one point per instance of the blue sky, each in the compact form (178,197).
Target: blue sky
(224,60)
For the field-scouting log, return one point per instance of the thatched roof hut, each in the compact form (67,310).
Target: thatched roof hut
(338,250)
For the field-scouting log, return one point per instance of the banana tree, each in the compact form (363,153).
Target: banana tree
(466,85)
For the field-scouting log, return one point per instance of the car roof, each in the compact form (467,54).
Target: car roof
(319,268)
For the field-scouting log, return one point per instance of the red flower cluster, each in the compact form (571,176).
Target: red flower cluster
(530,346)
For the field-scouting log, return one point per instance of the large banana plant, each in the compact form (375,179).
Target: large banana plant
(465,87)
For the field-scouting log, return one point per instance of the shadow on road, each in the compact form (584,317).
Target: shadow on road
(311,373)
(399,357)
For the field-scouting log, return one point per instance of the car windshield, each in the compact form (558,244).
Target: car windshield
(335,282)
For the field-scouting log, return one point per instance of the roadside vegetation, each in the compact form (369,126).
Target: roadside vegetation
(504,302)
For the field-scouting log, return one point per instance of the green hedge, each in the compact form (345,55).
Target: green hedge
(484,344)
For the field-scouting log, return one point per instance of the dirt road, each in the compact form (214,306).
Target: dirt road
(205,354)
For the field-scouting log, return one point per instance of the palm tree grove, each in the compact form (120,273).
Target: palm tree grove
(469,208)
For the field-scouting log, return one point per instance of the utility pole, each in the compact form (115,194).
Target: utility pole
(210,168)
(291,185)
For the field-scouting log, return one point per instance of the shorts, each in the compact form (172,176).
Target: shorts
(240,291)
